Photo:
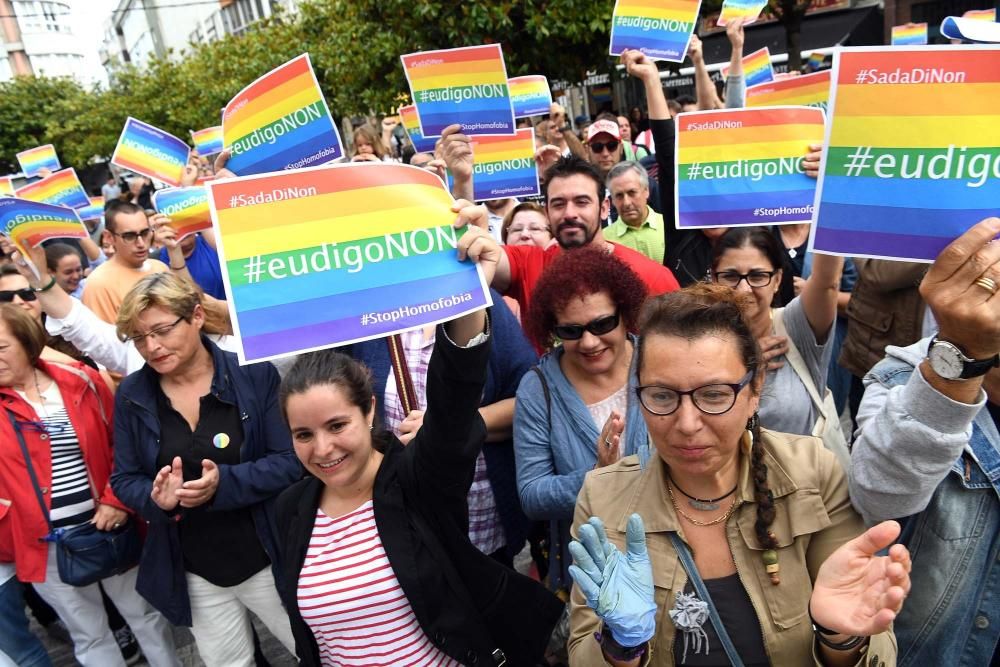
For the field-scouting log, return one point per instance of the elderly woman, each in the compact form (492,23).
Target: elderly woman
(201,454)
(750,548)
(60,415)
(569,412)
(526,224)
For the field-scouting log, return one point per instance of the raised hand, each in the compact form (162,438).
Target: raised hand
(810,163)
(771,348)
(408,427)
(166,484)
(609,442)
(641,67)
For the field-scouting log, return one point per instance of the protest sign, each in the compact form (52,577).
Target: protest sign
(187,209)
(6,186)
(909,34)
(34,160)
(811,90)
(759,181)
(93,211)
(981,14)
(465,86)
(756,67)
(975,30)
(815,61)
(314,258)
(150,151)
(28,223)
(910,161)
(530,95)
(411,123)
(280,121)
(208,141)
(661,30)
(749,10)
(504,166)
(62,188)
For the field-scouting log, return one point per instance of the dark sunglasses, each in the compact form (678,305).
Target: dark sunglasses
(598,327)
(26,294)
(130,237)
(599,146)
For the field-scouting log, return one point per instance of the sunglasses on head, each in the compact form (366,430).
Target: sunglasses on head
(26,294)
(599,146)
(598,327)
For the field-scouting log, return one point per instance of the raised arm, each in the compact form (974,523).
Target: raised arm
(704,89)
(821,293)
(736,85)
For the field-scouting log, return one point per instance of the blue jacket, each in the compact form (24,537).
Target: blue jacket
(269,467)
(934,465)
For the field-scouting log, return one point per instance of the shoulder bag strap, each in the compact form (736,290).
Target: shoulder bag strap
(404,382)
(31,468)
(798,363)
(699,586)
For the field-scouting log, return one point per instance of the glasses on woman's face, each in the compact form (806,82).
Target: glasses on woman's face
(598,327)
(712,399)
(26,294)
(530,229)
(754,278)
(158,333)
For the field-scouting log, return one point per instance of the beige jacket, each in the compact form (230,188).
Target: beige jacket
(814,517)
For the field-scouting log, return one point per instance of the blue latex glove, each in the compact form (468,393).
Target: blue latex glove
(618,587)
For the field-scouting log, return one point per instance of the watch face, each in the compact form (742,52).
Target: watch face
(946,361)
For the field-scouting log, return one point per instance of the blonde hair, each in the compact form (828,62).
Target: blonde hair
(173,293)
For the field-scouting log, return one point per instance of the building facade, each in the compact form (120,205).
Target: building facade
(37,37)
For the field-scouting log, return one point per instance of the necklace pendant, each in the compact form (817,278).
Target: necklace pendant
(703,505)
(792,252)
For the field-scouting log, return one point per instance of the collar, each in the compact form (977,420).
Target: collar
(147,382)
(653,221)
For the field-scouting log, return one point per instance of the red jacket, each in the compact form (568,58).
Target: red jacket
(22,524)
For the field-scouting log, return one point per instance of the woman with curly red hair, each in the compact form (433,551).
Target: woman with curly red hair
(576,411)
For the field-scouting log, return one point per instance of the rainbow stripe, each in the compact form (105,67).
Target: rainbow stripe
(94,211)
(28,223)
(741,9)
(411,123)
(320,257)
(811,90)
(208,141)
(911,34)
(150,151)
(6,186)
(34,160)
(62,188)
(909,163)
(974,30)
(465,86)
(530,95)
(187,209)
(661,29)
(981,14)
(504,166)
(816,61)
(280,121)
(757,67)
(759,181)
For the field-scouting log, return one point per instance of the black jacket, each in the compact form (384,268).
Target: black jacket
(474,609)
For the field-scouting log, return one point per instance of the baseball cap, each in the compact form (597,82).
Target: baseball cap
(603,127)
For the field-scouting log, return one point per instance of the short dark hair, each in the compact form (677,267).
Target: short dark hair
(8,270)
(55,252)
(571,165)
(28,331)
(114,209)
(607,115)
(684,100)
(760,238)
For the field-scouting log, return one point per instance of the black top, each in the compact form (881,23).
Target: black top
(793,264)
(994,412)
(740,621)
(221,547)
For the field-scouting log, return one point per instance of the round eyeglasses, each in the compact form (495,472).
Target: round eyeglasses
(712,399)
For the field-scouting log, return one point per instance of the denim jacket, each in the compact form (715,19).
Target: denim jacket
(934,464)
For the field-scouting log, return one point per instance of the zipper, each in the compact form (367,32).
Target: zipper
(760,624)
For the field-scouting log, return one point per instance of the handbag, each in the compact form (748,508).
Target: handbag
(84,554)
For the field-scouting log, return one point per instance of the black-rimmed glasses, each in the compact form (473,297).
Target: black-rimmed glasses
(130,237)
(754,278)
(598,327)
(712,399)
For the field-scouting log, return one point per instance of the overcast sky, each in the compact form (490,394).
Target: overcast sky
(88,22)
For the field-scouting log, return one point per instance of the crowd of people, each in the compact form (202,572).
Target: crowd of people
(654,414)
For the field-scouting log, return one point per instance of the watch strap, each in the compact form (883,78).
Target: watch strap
(616,651)
(971,368)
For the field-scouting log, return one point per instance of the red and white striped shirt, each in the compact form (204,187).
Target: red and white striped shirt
(351,600)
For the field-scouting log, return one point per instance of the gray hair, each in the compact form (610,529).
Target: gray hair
(623,168)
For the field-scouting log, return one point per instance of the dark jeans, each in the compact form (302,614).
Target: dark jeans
(16,640)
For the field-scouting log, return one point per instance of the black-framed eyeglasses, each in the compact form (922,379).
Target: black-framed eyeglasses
(130,237)
(598,327)
(157,333)
(599,146)
(26,294)
(712,399)
(754,278)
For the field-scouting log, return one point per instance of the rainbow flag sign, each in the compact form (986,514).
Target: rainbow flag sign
(504,166)
(760,179)
(94,211)
(150,151)
(187,209)
(314,258)
(815,61)
(28,223)
(411,123)
(62,188)
(741,9)
(280,121)
(530,95)
(910,159)
(660,29)
(207,141)
(975,30)
(811,90)
(6,186)
(981,14)
(465,86)
(34,160)
(756,67)
(910,34)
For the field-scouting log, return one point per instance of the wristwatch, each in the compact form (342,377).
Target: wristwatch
(950,362)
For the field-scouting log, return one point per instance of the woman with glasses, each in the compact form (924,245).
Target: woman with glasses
(57,418)
(526,224)
(201,453)
(575,411)
(740,544)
